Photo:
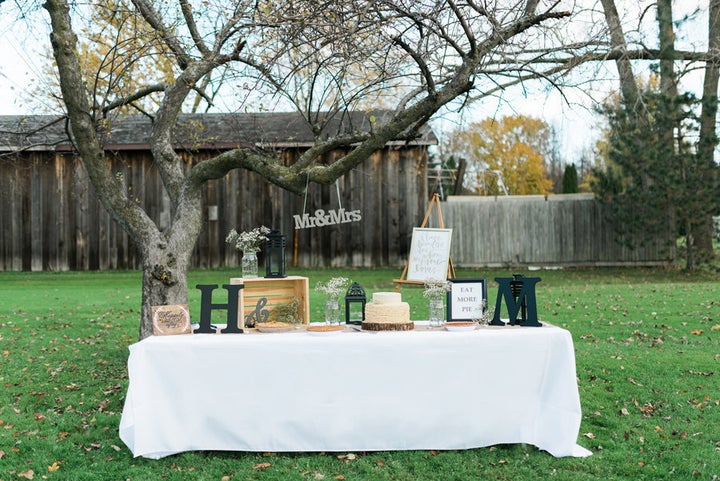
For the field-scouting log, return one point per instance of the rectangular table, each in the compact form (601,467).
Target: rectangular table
(353,391)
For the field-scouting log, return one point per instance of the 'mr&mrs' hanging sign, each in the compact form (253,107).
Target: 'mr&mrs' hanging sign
(322,218)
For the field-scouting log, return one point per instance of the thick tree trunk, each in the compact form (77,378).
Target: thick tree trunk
(166,263)
(165,256)
(628,84)
(164,282)
(668,80)
(631,94)
(703,232)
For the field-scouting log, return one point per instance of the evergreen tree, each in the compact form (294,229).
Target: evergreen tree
(570,180)
(658,189)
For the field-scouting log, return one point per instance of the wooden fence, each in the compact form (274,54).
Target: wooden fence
(561,230)
(51,220)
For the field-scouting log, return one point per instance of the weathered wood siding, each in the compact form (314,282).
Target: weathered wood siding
(562,230)
(50,218)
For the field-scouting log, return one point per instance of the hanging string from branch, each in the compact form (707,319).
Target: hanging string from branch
(321,217)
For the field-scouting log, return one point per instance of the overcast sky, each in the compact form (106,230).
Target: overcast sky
(23,55)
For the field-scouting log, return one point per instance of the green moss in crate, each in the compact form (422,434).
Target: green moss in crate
(287,312)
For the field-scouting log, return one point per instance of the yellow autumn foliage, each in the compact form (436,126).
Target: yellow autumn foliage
(514,147)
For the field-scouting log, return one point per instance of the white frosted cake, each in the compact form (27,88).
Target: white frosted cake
(387,312)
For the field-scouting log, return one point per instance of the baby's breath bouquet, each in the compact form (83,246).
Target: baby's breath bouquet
(248,241)
(436,288)
(334,288)
(486,314)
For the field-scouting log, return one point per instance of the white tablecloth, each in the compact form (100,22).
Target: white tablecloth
(353,392)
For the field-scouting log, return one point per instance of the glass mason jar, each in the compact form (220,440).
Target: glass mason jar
(249,264)
(332,311)
(436,312)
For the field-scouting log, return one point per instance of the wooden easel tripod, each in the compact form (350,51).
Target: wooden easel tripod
(434,204)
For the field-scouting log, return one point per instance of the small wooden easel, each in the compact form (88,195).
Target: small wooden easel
(434,203)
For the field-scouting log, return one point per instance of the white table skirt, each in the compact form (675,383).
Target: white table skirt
(353,391)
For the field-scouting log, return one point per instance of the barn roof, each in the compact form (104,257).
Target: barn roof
(196,131)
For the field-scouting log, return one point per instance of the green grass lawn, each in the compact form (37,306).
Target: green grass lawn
(648,366)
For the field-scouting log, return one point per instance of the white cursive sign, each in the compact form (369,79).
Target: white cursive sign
(323,218)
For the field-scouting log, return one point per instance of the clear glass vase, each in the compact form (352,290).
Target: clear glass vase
(249,264)
(436,312)
(332,311)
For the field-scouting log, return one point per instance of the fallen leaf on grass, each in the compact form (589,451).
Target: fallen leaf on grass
(624,412)
(589,435)
(29,474)
(339,477)
(347,457)
(696,332)
(381,463)
(54,467)
(647,409)
(262,466)
(225,478)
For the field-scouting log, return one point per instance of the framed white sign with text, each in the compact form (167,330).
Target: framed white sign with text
(466,299)
(429,254)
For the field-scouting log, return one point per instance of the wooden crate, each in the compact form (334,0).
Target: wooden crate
(276,292)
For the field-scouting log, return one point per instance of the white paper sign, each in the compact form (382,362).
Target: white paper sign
(429,254)
(465,299)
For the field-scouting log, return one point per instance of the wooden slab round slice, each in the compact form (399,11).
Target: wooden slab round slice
(324,330)
(388,326)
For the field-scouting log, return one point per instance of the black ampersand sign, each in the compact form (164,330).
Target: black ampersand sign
(257,315)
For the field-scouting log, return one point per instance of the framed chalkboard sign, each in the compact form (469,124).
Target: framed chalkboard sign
(429,254)
(466,299)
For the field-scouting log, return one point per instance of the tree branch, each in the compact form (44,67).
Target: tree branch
(128,213)
(153,19)
(128,99)
(192,27)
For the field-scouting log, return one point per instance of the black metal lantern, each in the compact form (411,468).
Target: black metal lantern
(355,300)
(275,255)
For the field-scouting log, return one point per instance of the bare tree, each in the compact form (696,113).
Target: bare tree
(432,51)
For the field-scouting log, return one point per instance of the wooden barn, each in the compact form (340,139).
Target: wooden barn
(51,219)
